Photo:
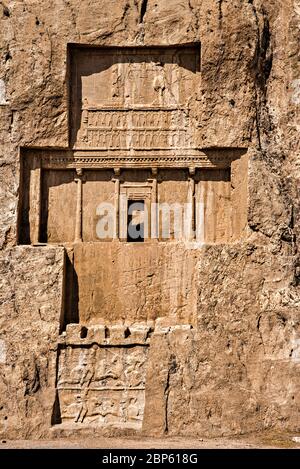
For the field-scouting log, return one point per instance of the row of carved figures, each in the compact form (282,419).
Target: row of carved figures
(137,139)
(100,368)
(135,119)
(101,408)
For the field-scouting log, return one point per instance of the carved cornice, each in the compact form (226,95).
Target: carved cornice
(110,159)
(171,161)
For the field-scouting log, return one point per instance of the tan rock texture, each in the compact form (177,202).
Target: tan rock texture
(166,337)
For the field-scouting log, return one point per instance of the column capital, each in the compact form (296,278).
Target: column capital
(79,175)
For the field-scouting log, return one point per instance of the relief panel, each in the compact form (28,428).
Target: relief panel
(133,98)
(98,188)
(58,206)
(102,385)
(138,129)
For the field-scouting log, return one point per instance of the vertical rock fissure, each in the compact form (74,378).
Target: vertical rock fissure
(143,10)
(262,65)
(220,10)
(167,400)
(172,368)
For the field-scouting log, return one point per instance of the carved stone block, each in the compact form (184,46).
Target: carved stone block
(102,385)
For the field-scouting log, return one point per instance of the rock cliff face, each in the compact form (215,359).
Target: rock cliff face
(231,364)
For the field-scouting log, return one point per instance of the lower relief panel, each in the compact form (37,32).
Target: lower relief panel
(101,385)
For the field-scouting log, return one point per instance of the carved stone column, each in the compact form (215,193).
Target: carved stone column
(123,216)
(35,200)
(200,228)
(79,179)
(191,219)
(154,208)
(117,202)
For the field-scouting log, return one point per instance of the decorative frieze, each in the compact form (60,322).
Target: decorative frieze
(137,129)
(102,385)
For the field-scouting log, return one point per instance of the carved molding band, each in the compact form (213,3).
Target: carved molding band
(198,160)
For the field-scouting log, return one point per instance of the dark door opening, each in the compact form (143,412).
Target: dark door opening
(135,221)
